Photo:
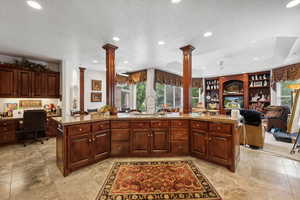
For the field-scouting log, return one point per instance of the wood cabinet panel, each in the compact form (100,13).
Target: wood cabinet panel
(199,125)
(180,123)
(39,84)
(79,129)
(8,83)
(120,134)
(159,124)
(220,128)
(24,83)
(119,148)
(100,126)
(140,141)
(141,124)
(220,150)
(119,124)
(160,142)
(101,145)
(80,151)
(180,147)
(179,134)
(53,85)
(199,143)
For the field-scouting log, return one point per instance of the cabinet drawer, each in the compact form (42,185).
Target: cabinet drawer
(160,124)
(180,134)
(100,126)
(220,128)
(180,147)
(120,134)
(119,148)
(200,125)
(7,137)
(141,124)
(180,123)
(79,129)
(7,126)
(119,124)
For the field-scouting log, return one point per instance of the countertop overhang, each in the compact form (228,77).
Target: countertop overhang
(71,120)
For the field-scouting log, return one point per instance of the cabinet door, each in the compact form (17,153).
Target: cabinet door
(7,82)
(101,145)
(140,141)
(160,142)
(52,85)
(24,83)
(220,149)
(80,151)
(199,143)
(38,84)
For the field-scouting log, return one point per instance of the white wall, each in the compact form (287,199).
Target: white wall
(88,77)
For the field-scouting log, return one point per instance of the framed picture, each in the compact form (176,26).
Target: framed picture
(96,85)
(96,97)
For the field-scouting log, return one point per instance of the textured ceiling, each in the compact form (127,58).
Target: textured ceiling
(247,35)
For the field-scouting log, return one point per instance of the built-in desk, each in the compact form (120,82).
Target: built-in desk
(84,140)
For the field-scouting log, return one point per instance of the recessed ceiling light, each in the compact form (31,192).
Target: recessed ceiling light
(208,34)
(95,61)
(116,39)
(256,58)
(125,62)
(34,5)
(161,42)
(293,3)
(175,1)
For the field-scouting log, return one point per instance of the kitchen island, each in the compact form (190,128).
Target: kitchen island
(84,140)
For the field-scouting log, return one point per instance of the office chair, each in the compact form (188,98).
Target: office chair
(34,122)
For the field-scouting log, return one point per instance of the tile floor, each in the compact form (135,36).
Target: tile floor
(30,173)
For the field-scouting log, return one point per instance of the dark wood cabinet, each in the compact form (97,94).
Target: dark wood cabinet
(199,143)
(52,82)
(39,85)
(219,149)
(160,142)
(24,83)
(7,83)
(101,140)
(80,150)
(140,141)
(20,83)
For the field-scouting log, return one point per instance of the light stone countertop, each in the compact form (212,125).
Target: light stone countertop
(70,120)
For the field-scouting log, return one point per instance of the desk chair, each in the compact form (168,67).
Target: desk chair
(34,122)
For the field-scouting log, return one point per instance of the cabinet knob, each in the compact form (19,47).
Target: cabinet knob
(218,128)
(209,139)
(90,140)
(179,123)
(80,129)
(94,139)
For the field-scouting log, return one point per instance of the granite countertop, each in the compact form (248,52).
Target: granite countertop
(20,117)
(70,120)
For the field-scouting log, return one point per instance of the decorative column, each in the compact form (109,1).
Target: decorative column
(110,74)
(187,78)
(150,91)
(81,90)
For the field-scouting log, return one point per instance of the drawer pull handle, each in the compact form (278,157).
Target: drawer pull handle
(218,128)
(90,140)
(80,129)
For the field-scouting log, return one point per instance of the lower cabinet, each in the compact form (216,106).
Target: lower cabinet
(88,143)
(199,143)
(159,141)
(80,151)
(140,141)
(219,149)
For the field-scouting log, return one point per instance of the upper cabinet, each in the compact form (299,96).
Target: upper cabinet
(18,83)
(7,82)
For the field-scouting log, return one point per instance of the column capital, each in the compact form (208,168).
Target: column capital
(188,48)
(110,47)
(82,69)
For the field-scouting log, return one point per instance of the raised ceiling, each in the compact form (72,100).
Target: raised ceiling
(247,35)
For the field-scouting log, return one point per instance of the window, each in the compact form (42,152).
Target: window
(141,96)
(167,95)
(123,97)
(284,96)
(196,98)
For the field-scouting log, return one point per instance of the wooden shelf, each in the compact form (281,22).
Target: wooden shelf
(259,101)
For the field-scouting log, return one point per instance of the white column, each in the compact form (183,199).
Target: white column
(150,91)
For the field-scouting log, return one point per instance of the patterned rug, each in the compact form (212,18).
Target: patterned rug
(157,180)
